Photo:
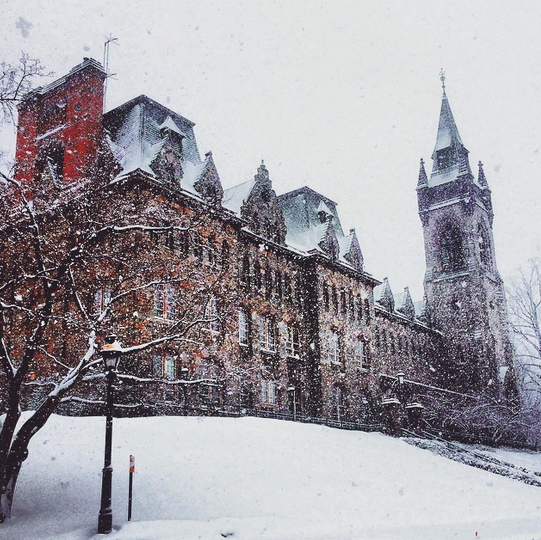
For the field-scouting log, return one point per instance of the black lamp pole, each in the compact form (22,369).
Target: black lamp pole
(111,356)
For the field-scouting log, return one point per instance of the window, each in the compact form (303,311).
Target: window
(391,344)
(484,245)
(325,297)
(334,300)
(211,314)
(170,367)
(333,346)
(197,245)
(102,298)
(359,308)
(267,334)
(245,270)
(359,353)
(50,162)
(292,341)
(287,288)
(209,253)
(268,282)
(243,328)
(343,303)
(183,242)
(257,277)
(225,255)
(451,248)
(278,281)
(268,392)
(366,304)
(298,290)
(165,305)
(165,366)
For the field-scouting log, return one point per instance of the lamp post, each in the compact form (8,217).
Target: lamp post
(110,352)
(291,389)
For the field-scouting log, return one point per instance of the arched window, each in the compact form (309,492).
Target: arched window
(484,245)
(452,251)
(50,163)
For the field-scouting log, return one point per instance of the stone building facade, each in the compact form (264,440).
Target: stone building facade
(277,308)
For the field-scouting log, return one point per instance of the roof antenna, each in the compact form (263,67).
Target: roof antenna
(442,79)
(108,42)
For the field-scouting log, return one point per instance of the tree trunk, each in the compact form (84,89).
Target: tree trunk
(9,471)
(6,498)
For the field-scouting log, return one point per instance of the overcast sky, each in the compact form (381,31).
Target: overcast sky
(343,96)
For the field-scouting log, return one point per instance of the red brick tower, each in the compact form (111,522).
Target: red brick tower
(60,128)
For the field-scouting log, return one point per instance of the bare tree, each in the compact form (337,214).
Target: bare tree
(16,80)
(60,247)
(525,311)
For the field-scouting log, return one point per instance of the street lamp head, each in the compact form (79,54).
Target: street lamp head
(291,388)
(111,352)
(400,377)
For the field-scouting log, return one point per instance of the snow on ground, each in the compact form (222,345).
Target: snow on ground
(251,479)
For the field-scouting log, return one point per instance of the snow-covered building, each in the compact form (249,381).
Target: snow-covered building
(281,310)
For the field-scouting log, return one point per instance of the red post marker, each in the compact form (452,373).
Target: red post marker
(130,487)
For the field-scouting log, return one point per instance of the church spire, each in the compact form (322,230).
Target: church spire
(450,156)
(448,135)
(423,179)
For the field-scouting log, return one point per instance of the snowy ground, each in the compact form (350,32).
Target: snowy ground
(250,479)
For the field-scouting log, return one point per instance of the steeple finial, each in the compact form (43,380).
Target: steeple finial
(481,178)
(442,79)
(262,171)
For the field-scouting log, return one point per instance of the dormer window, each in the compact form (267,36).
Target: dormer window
(174,138)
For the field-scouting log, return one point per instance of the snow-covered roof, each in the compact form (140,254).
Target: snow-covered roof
(234,197)
(135,134)
(169,123)
(301,209)
(345,243)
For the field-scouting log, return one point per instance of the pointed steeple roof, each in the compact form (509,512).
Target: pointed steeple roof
(423,179)
(384,295)
(448,135)
(481,178)
(450,156)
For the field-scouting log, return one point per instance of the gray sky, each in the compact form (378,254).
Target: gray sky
(343,96)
